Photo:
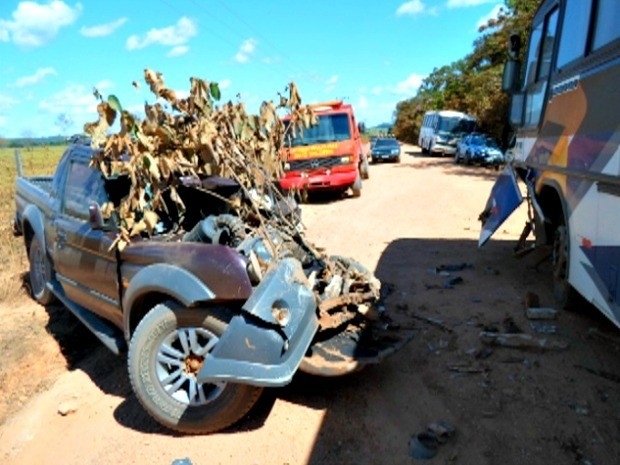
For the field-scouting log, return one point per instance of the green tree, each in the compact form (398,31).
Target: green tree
(473,83)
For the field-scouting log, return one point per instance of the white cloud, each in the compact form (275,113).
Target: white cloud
(3,121)
(35,78)
(105,84)
(467,3)
(34,25)
(412,8)
(377,90)
(224,84)
(246,50)
(409,86)
(178,51)
(362,103)
(331,83)
(173,36)
(7,102)
(493,14)
(102,30)
(76,101)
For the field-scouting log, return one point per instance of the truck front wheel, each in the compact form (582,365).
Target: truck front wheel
(40,272)
(356,188)
(166,352)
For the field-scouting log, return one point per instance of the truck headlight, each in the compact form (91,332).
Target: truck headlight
(347,159)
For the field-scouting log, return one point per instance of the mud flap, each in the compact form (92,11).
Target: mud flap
(504,199)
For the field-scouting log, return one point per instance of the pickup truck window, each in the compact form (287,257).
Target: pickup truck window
(84,185)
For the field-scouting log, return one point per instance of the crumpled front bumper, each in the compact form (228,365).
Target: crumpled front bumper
(265,344)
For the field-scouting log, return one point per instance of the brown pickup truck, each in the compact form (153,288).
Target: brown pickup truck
(209,307)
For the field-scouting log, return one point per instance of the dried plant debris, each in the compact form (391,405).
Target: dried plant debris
(193,170)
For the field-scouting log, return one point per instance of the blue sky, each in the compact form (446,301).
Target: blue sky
(372,54)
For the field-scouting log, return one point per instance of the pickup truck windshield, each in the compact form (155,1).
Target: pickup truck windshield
(331,128)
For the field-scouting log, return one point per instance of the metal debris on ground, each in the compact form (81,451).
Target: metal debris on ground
(541,313)
(522,341)
(425,445)
(543,328)
(449,283)
(453,267)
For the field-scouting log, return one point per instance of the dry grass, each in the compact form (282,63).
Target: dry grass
(13,260)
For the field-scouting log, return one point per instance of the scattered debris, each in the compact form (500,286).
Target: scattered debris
(449,283)
(543,328)
(603,374)
(510,326)
(443,430)
(541,313)
(67,407)
(580,409)
(531,299)
(469,368)
(432,321)
(521,341)
(453,267)
(423,446)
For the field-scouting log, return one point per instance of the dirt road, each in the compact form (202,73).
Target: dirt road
(509,406)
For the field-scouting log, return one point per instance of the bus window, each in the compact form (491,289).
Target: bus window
(532,57)
(547,46)
(607,17)
(574,32)
(539,65)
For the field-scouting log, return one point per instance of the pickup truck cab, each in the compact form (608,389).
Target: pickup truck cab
(206,311)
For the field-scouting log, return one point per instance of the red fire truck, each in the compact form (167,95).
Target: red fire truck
(327,156)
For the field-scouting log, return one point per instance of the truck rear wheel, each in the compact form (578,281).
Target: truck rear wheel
(166,352)
(40,272)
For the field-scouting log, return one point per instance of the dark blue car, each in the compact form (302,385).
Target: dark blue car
(387,149)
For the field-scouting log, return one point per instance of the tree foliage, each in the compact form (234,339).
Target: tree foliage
(187,138)
(473,83)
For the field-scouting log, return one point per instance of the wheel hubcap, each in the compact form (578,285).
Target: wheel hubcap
(180,358)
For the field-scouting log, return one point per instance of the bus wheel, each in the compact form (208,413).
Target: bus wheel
(563,293)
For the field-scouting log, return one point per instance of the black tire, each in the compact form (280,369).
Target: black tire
(218,405)
(356,188)
(563,293)
(364,171)
(40,272)
(397,159)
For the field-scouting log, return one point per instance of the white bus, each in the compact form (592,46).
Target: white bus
(442,129)
(567,153)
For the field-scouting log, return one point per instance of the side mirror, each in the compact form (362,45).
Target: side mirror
(361,127)
(510,77)
(95,216)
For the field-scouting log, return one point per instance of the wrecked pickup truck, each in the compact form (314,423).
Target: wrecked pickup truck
(210,306)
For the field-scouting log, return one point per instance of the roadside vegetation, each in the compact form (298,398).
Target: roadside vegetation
(40,160)
(473,83)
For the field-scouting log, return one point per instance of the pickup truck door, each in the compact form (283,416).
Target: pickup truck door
(84,264)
